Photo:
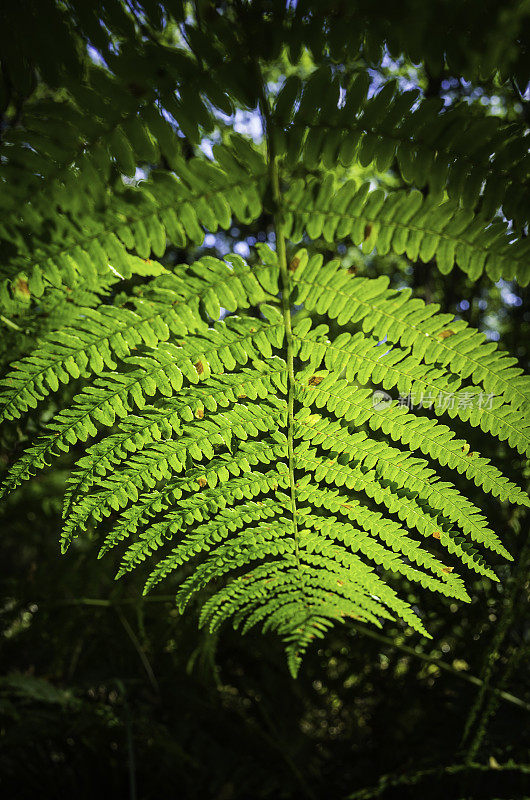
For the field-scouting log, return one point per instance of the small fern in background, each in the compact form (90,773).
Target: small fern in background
(239,425)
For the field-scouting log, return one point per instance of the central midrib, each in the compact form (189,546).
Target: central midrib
(274,176)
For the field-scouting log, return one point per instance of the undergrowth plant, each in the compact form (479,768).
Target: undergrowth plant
(275,432)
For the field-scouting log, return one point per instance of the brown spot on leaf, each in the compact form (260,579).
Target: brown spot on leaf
(199,413)
(293,266)
(315,380)
(367,231)
(445,334)
(437,535)
(241,396)
(199,366)
(202,481)
(21,288)
(447,569)
(352,270)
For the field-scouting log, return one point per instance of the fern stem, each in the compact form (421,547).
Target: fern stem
(274,175)
(286,307)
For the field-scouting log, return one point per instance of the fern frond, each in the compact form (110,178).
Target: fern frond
(110,119)
(390,532)
(399,468)
(463,45)
(210,457)
(404,502)
(392,316)
(166,420)
(114,395)
(468,156)
(227,521)
(405,222)
(168,306)
(355,404)
(223,436)
(160,460)
(363,359)
(197,508)
(180,206)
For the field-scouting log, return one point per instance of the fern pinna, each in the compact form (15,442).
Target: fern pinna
(242,425)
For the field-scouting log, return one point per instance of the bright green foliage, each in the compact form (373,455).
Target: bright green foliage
(206,467)
(228,435)
(404,222)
